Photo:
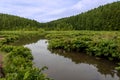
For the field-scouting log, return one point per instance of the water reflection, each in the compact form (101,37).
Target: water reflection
(26,40)
(71,66)
(95,61)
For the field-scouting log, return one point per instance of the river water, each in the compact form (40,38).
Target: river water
(71,66)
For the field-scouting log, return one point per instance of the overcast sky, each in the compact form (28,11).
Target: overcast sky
(47,10)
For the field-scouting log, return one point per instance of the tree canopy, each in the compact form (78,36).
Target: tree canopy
(10,22)
(106,17)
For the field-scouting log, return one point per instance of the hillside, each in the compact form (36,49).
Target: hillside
(105,17)
(10,22)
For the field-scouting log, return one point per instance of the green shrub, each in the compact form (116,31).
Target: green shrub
(18,65)
(102,44)
(6,48)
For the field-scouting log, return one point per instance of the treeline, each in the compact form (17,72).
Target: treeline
(10,22)
(105,17)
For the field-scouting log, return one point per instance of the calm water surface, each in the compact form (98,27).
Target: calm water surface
(71,66)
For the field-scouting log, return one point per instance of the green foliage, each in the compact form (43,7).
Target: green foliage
(104,44)
(14,36)
(10,22)
(17,62)
(105,17)
(101,44)
(118,68)
(102,18)
(9,40)
(106,48)
(18,65)
(6,48)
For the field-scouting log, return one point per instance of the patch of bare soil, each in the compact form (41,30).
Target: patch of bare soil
(2,38)
(1,69)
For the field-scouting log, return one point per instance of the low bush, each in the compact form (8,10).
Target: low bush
(18,64)
(101,44)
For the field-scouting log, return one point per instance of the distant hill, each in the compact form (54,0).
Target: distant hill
(105,17)
(10,22)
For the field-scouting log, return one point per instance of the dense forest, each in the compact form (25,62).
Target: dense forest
(105,17)
(10,22)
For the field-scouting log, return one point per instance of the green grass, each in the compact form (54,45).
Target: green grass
(17,62)
(97,43)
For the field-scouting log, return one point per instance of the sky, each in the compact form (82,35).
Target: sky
(48,10)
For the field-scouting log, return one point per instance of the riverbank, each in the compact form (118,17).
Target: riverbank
(104,44)
(18,63)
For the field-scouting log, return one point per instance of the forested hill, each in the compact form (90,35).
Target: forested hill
(10,22)
(105,17)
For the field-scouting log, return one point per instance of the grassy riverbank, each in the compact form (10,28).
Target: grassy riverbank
(17,63)
(104,44)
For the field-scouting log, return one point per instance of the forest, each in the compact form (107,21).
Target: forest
(11,22)
(105,17)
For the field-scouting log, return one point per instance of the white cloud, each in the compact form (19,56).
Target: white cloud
(47,10)
(85,5)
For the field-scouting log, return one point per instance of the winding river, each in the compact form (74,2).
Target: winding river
(71,66)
